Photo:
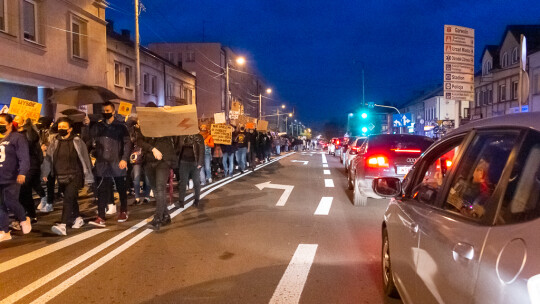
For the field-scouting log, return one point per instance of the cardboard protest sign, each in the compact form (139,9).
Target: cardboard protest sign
(169,121)
(25,108)
(236,108)
(262,125)
(222,134)
(124,108)
(219,118)
(244,119)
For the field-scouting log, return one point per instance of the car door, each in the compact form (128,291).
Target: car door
(452,236)
(511,255)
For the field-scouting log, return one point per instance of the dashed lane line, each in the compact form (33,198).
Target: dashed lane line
(326,172)
(324,161)
(325,165)
(324,206)
(329,183)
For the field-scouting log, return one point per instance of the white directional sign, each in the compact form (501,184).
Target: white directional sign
(300,161)
(284,197)
(458,63)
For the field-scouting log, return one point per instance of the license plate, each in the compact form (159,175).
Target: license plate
(403,169)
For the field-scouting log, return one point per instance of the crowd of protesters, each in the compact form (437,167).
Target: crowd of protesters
(112,155)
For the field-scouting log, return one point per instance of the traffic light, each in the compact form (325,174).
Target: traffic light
(364,115)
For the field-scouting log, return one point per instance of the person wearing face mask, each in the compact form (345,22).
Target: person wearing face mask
(110,141)
(14,166)
(252,145)
(241,142)
(191,160)
(206,174)
(68,162)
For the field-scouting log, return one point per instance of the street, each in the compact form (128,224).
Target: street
(280,234)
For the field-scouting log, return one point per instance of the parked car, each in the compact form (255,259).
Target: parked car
(390,155)
(462,226)
(352,151)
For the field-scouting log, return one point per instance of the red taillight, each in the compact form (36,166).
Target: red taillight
(448,163)
(337,142)
(407,150)
(377,162)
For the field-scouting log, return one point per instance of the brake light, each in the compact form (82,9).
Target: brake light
(448,163)
(337,142)
(407,150)
(378,162)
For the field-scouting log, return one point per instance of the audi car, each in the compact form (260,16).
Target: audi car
(462,227)
(383,155)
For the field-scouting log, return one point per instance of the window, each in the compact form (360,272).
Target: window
(502,92)
(154,85)
(117,73)
(504,60)
(3,15)
(78,37)
(490,95)
(482,98)
(515,55)
(515,90)
(521,200)
(127,70)
(190,97)
(145,83)
(478,95)
(190,56)
(537,83)
(478,174)
(486,68)
(30,26)
(170,56)
(170,88)
(179,59)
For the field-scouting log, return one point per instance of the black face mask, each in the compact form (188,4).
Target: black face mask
(107,115)
(242,129)
(62,132)
(3,129)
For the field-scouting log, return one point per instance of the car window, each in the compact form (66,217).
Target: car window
(400,141)
(522,196)
(478,173)
(435,174)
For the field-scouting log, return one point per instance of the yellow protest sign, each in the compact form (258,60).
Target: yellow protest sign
(169,121)
(262,125)
(222,134)
(124,108)
(25,108)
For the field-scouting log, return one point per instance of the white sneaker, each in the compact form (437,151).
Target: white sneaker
(151,193)
(59,229)
(209,180)
(111,209)
(42,203)
(78,223)
(190,184)
(47,208)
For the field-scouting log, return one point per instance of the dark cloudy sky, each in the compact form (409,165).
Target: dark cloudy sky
(312,52)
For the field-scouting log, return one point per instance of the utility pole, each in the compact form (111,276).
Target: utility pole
(137,57)
(260,104)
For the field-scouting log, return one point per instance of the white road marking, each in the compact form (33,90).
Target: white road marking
(329,183)
(300,161)
(292,283)
(284,197)
(49,295)
(327,172)
(323,158)
(66,267)
(325,165)
(25,258)
(324,206)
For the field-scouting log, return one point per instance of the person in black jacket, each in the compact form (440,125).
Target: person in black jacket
(191,160)
(109,138)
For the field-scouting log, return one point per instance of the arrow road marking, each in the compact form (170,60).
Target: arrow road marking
(284,197)
(300,161)
(292,283)
(326,172)
(324,206)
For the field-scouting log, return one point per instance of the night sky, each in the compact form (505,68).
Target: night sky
(312,52)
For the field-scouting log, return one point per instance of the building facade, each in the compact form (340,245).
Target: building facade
(50,45)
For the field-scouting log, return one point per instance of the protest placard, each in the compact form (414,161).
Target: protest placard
(222,134)
(169,121)
(219,118)
(244,119)
(4,110)
(262,125)
(124,108)
(25,108)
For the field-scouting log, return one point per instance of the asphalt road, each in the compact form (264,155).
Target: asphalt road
(248,244)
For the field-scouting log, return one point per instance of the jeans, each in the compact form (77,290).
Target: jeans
(70,210)
(278,150)
(9,200)
(188,170)
(33,181)
(137,176)
(241,158)
(105,195)
(158,176)
(228,163)
(206,171)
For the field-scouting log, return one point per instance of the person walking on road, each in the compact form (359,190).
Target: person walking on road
(68,162)
(112,147)
(206,174)
(241,142)
(190,162)
(252,146)
(228,158)
(14,166)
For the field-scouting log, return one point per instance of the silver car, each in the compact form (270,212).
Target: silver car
(462,226)
(352,151)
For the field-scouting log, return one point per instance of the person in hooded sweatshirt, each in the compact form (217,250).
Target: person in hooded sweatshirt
(14,166)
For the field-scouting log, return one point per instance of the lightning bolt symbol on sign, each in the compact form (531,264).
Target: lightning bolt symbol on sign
(184,124)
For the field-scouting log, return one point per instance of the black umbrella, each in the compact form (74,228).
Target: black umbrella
(81,95)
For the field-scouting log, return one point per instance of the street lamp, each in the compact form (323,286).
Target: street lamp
(240,61)
(278,126)
(268,91)
(287,123)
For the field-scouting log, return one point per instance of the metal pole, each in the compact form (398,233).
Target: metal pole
(286,125)
(260,105)
(137,56)
(227,99)
(278,120)
(521,67)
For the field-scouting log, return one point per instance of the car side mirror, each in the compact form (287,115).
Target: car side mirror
(387,186)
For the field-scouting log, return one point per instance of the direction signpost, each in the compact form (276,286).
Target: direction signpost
(458,65)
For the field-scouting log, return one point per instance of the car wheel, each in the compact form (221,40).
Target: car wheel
(388,280)
(360,198)
(349,181)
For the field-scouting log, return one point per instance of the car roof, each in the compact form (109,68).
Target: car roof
(525,120)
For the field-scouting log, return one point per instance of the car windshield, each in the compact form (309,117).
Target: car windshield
(400,143)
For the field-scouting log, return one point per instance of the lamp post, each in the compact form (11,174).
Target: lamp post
(239,61)
(278,126)
(287,123)
(268,91)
